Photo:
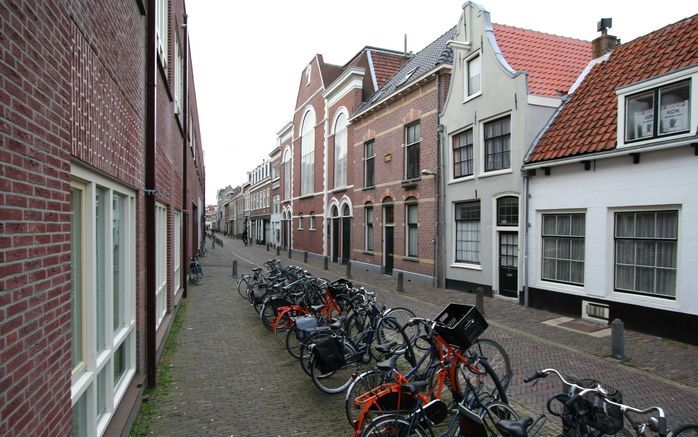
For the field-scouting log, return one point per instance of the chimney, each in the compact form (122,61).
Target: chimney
(605,42)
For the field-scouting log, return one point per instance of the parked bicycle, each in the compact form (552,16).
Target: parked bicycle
(196,272)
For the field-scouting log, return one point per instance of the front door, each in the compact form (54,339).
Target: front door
(388,250)
(345,240)
(335,240)
(508,264)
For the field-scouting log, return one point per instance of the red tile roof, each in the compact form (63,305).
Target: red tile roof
(386,65)
(588,121)
(553,62)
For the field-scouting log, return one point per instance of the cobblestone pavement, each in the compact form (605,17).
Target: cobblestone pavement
(232,379)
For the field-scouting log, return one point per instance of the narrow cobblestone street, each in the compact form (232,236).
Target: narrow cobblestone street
(230,378)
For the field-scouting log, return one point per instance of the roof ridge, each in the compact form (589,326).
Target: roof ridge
(642,38)
(539,32)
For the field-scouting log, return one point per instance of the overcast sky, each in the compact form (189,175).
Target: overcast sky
(248,56)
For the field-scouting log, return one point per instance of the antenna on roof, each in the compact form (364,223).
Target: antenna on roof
(603,25)
(405,52)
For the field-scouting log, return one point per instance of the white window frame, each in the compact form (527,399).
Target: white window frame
(287,173)
(307,169)
(472,155)
(162,27)
(483,148)
(340,148)
(94,384)
(558,237)
(411,203)
(467,95)
(300,222)
(414,144)
(651,84)
(178,76)
(160,262)
(311,222)
(464,262)
(177,264)
(372,160)
(368,228)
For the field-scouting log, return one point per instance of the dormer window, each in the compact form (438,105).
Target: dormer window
(658,112)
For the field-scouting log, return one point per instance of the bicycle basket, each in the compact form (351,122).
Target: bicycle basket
(329,355)
(340,286)
(463,324)
(394,401)
(600,415)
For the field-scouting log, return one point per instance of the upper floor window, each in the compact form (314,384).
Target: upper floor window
(179,76)
(368,211)
(412,136)
(658,112)
(563,248)
(311,218)
(287,174)
(472,75)
(412,228)
(646,252)
(300,222)
(369,164)
(340,151)
(508,211)
(307,152)
(498,144)
(275,171)
(463,154)
(162,12)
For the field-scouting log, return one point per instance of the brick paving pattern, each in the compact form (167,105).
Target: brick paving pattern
(232,379)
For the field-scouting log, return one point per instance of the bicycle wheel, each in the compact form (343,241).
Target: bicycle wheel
(394,425)
(363,383)
(196,276)
(496,411)
(305,351)
(243,285)
(282,323)
(479,380)
(293,345)
(390,326)
(270,309)
(338,380)
(497,358)
(686,431)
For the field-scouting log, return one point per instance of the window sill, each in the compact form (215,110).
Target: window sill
(368,252)
(306,196)
(370,187)
(462,179)
(496,173)
(466,266)
(410,259)
(472,96)
(410,183)
(339,189)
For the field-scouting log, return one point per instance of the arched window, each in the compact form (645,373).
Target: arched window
(287,174)
(340,151)
(346,212)
(307,152)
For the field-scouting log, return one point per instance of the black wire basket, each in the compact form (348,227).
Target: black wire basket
(460,325)
(601,415)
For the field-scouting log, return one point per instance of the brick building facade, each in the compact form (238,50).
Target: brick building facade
(80,326)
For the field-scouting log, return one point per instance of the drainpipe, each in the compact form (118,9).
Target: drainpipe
(438,276)
(185,202)
(525,175)
(150,138)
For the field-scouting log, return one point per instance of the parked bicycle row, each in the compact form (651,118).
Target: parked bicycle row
(402,375)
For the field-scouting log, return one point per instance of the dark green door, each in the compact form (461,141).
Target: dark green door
(508,264)
(335,240)
(346,238)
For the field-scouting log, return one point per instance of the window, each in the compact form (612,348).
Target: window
(658,112)
(340,151)
(287,174)
(162,13)
(508,211)
(311,224)
(160,262)
(563,248)
(472,78)
(103,297)
(369,164)
(300,222)
(467,216)
(275,171)
(412,232)
(368,212)
(179,77)
(497,144)
(463,154)
(276,204)
(308,72)
(412,136)
(177,250)
(645,252)
(307,153)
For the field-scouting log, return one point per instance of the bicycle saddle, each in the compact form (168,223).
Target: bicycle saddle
(386,347)
(389,364)
(414,387)
(516,428)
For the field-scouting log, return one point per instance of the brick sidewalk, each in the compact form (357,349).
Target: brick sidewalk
(231,378)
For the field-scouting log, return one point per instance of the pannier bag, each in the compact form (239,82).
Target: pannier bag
(329,355)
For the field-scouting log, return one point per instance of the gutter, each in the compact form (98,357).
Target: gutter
(151,70)
(185,202)
(526,223)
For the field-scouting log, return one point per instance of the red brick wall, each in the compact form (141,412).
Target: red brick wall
(386,128)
